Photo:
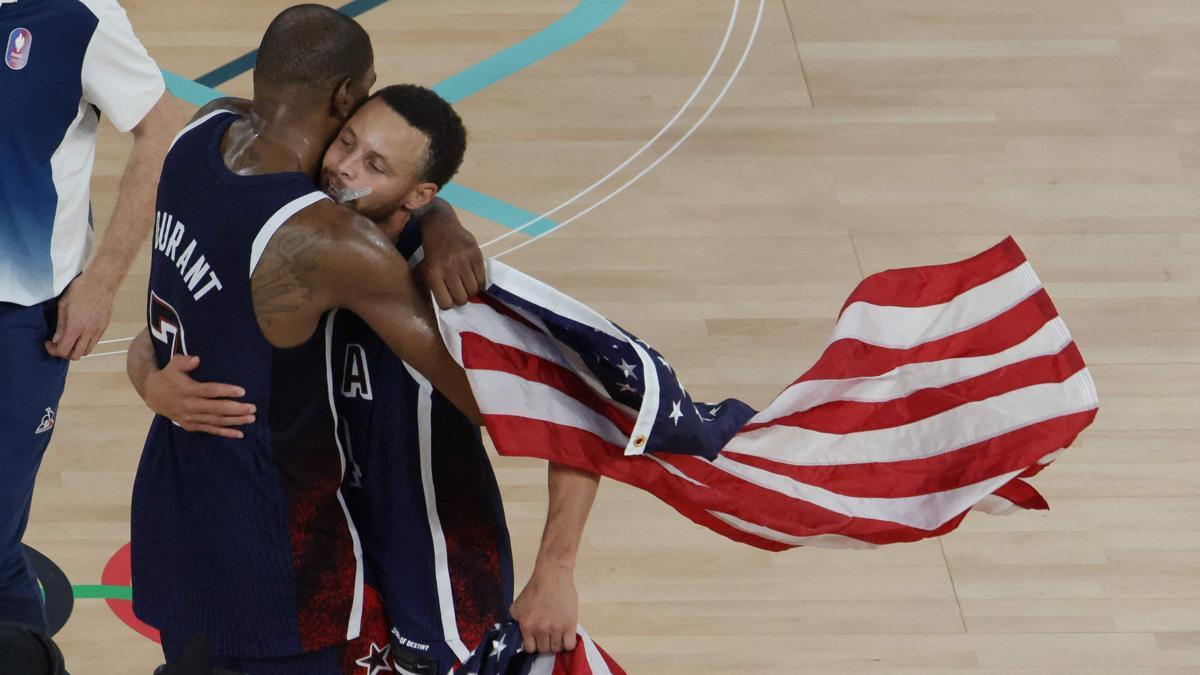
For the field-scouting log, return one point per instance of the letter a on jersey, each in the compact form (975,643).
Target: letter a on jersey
(356,378)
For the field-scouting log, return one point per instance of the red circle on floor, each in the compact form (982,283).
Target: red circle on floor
(116,573)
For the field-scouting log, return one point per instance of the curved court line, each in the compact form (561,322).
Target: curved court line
(670,123)
(508,215)
(575,25)
(732,78)
(584,19)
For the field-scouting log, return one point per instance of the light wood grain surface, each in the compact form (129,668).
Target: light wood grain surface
(859,135)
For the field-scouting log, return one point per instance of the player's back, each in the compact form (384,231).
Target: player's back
(247,540)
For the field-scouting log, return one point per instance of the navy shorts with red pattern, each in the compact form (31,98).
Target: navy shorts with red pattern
(368,654)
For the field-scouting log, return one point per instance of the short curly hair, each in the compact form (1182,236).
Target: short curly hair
(424,110)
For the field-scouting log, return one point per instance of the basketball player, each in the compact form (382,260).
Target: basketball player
(420,486)
(430,508)
(248,541)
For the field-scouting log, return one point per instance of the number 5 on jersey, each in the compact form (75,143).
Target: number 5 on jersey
(165,325)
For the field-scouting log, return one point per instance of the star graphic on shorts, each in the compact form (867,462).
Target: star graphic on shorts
(377,661)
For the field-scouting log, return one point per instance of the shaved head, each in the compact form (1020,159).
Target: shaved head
(313,47)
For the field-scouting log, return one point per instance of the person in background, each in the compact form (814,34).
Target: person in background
(66,64)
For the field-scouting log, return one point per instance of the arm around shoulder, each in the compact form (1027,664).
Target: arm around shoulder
(374,281)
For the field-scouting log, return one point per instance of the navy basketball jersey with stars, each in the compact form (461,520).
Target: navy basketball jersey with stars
(422,491)
(246,541)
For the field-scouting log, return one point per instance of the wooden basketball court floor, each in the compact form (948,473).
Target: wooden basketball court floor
(856,135)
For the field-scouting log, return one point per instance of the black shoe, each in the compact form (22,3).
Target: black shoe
(26,649)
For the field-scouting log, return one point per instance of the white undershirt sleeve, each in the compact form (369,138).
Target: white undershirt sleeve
(119,76)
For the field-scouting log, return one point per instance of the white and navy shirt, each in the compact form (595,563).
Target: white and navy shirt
(65,63)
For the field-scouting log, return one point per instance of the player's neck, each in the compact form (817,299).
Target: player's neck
(297,129)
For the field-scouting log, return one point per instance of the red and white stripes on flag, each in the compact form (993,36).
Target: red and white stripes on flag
(941,390)
(588,658)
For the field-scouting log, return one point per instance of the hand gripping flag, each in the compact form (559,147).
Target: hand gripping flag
(500,654)
(941,390)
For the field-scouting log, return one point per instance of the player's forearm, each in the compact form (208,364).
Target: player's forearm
(406,323)
(133,216)
(369,277)
(572,493)
(455,387)
(139,362)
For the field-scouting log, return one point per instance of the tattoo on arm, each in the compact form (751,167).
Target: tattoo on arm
(285,279)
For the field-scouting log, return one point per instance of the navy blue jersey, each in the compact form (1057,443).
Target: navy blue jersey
(424,497)
(247,541)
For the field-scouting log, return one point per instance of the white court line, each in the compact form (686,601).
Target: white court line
(703,118)
(670,123)
(92,356)
(109,342)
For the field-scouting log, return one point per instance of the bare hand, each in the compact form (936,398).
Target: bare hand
(548,612)
(197,406)
(83,314)
(453,265)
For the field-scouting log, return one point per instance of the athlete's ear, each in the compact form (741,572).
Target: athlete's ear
(420,196)
(344,100)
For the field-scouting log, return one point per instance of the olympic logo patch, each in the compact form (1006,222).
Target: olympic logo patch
(17,53)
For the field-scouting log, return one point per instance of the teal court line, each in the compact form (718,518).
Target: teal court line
(495,210)
(572,27)
(575,25)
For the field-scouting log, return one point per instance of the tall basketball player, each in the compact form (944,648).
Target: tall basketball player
(248,541)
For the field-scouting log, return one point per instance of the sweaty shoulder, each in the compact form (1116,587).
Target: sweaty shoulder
(340,223)
(357,259)
(352,237)
(319,255)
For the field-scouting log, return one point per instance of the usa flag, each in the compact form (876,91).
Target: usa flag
(942,389)
(500,654)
